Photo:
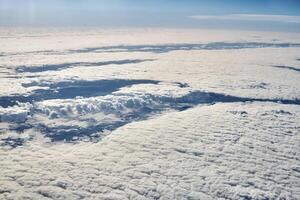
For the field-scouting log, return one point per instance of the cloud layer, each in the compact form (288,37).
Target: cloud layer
(226,151)
(250,17)
(181,114)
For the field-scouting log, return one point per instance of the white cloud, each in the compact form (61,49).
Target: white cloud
(250,17)
(208,152)
(223,150)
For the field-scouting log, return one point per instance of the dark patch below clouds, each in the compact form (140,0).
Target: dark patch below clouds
(77,133)
(70,90)
(57,67)
(12,142)
(287,67)
(182,85)
(259,86)
(73,133)
(199,97)
(165,48)
(157,105)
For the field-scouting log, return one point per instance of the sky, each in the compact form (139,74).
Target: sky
(278,15)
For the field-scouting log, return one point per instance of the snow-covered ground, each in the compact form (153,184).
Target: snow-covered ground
(149,114)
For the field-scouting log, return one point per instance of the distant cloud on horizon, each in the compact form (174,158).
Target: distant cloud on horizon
(250,17)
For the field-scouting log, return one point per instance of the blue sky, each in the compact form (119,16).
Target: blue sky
(282,15)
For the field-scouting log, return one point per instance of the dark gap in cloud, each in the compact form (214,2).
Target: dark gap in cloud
(12,142)
(70,90)
(21,127)
(163,48)
(175,47)
(259,86)
(68,133)
(94,131)
(7,101)
(182,85)
(142,111)
(287,67)
(57,67)
(199,97)
(45,52)
(76,133)
(20,76)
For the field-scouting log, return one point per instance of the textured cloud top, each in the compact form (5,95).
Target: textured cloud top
(149,114)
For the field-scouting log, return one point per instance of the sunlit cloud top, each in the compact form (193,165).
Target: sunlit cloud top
(250,17)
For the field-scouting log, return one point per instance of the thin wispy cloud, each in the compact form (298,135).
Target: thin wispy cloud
(250,17)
